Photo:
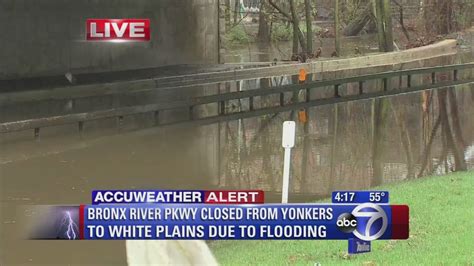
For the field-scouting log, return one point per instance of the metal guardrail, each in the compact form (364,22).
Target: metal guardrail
(153,84)
(221,100)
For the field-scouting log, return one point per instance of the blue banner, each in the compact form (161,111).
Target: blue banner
(377,197)
(273,221)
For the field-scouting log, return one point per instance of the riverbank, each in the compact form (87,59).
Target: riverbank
(441,229)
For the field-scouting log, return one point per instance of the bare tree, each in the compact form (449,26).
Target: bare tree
(263,24)
(337,28)
(293,18)
(309,26)
(380,117)
(383,14)
(448,137)
(384,28)
(236,11)
(401,19)
(361,19)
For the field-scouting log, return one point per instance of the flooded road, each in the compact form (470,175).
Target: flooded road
(135,162)
(247,155)
(67,178)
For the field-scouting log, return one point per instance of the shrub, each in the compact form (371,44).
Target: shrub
(237,35)
(282,32)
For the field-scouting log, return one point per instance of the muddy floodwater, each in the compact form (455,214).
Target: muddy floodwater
(63,168)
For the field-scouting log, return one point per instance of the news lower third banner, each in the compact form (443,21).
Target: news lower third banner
(218,221)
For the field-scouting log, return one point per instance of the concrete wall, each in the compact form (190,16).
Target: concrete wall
(48,37)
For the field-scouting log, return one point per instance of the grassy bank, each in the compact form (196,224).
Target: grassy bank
(441,232)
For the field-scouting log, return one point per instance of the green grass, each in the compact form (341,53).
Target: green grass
(441,232)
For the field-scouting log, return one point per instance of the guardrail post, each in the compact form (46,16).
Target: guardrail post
(455,75)
(361,87)
(37,133)
(81,127)
(433,78)
(156,117)
(222,108)
(191,112)
(385,84)
(336,91)
(282,99)
(119,121)
(251,103)
(409,81)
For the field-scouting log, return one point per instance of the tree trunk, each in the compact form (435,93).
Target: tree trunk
(427,151)
(296,29)
(293,18)
(263,27)
(401,21)
(371,26)
(306,149)
(385,37)
(309,27)
(453,104)
(405,138)
(383,13)
(427,98)
(388,30)
(332,174)
(227,14)
(380,26)
(379,126)
(363,17)
(236,11)
(437,16)
(460,163)
(337,28)
(295,42)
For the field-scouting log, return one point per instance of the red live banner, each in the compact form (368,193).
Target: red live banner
(118,30)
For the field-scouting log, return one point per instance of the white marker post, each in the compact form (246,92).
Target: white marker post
(288,142)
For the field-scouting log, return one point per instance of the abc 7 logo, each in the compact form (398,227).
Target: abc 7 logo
(366,228)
